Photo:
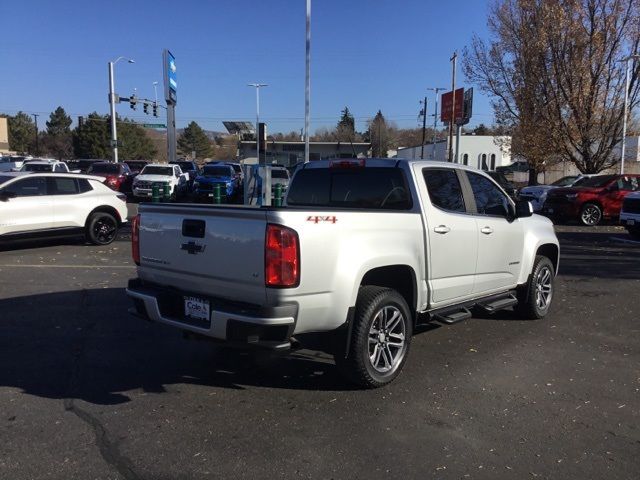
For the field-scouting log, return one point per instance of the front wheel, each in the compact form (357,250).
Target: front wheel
(380,339)
(102,228)
(534,298)
(590,214)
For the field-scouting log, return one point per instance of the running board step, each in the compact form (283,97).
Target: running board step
(498,304)
(454,316)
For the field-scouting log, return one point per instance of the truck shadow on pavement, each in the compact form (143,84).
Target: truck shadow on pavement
(84,345)
(599,255)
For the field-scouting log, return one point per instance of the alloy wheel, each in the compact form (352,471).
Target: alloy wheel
(387,339)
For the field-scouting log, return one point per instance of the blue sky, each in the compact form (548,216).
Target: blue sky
(366,54)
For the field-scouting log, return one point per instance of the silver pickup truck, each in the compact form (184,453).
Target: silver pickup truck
(363,251)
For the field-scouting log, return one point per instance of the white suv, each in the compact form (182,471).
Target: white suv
(34,205)
(160,174)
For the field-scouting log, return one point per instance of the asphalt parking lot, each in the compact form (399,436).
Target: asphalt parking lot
(88,392)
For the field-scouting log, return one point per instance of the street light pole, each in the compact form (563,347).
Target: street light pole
(155,90)
(435,119)
(307,85)
(257,86)
(626,107)
(35,117)
(112,108)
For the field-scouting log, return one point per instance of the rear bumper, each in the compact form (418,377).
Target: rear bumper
(233,323)
(630,219)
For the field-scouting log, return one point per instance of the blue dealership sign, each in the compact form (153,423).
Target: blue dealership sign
(170,78)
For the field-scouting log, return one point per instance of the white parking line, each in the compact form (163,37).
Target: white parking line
(625,240)
(67,266)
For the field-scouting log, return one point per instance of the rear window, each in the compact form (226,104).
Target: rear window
(37,167)
(597,181)
(104,168)
(184,165)
(217,171)
(373,187)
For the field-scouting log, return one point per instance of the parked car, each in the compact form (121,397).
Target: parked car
(506,185)
(595,198)
(36,205)
(160,174)
(537,194)
(630,214)
(117,176)
(190,170)
(215,174)
(280,176)
(136,166)
(362,253)
(12,163)
(82,164)
(53,166)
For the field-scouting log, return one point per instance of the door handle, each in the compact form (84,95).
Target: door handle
(442,229)
(487,230)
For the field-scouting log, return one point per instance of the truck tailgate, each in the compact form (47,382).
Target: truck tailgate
(215,251)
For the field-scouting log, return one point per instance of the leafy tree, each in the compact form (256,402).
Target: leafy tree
(379,134)
(136,145)
(93,138)
(57,140)
(22,132)
(552,69)
(194,138)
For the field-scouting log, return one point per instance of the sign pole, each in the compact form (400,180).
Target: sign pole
(171,132)
(453,104)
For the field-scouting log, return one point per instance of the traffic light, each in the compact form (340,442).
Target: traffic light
(145,108)
(132,102)
(155,109)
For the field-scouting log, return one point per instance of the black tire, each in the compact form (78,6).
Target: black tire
(102,228)
(590,214)
(390,345)
(533,302)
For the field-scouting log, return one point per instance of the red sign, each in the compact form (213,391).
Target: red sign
(447,102)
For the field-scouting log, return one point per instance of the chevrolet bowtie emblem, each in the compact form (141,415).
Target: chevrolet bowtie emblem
(192,248)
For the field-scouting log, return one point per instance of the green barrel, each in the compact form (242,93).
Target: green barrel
(155,193)
(277,195)
(166,193)
(216,194)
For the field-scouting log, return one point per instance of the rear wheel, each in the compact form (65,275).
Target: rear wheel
(590,214)
(534,298)
(102,228)
(380,339)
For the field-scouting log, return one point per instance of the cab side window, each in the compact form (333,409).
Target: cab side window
(444,189)
(28,187)
(489,199)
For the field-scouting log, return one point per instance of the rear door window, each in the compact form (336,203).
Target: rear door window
(444,189)
(489,198)
(63,186)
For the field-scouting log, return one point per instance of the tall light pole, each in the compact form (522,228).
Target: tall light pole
(112,105)
(155,90)
(257,86)
(435,118)
(626,107)
(307,85)
(35,117)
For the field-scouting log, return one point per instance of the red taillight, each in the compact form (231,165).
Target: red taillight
(282,257)
(135,239)
(359,163)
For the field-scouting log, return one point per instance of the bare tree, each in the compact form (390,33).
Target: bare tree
(552,68)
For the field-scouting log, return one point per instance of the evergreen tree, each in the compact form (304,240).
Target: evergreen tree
(193,139)
(136,145)
(346,128)
(379,135)
(57,140)
(92,140)
(22,132)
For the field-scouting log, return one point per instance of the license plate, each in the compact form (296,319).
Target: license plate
(631,222)
(197,308)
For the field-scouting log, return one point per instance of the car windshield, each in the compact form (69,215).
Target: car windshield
(564,181)
(279,174)
(104,168)
(216,172)
(597,181)
(37,167)
(151,170)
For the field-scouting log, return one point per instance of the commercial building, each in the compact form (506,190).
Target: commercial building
(485,152)
(290,153)
(4,136)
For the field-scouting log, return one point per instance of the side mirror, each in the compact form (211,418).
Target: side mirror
(523,209)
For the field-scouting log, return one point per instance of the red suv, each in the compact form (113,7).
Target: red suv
(118,175)
(596,198)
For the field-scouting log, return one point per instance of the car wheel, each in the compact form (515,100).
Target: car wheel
(534,298)
(380,338)
(591,214)
(102,228)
